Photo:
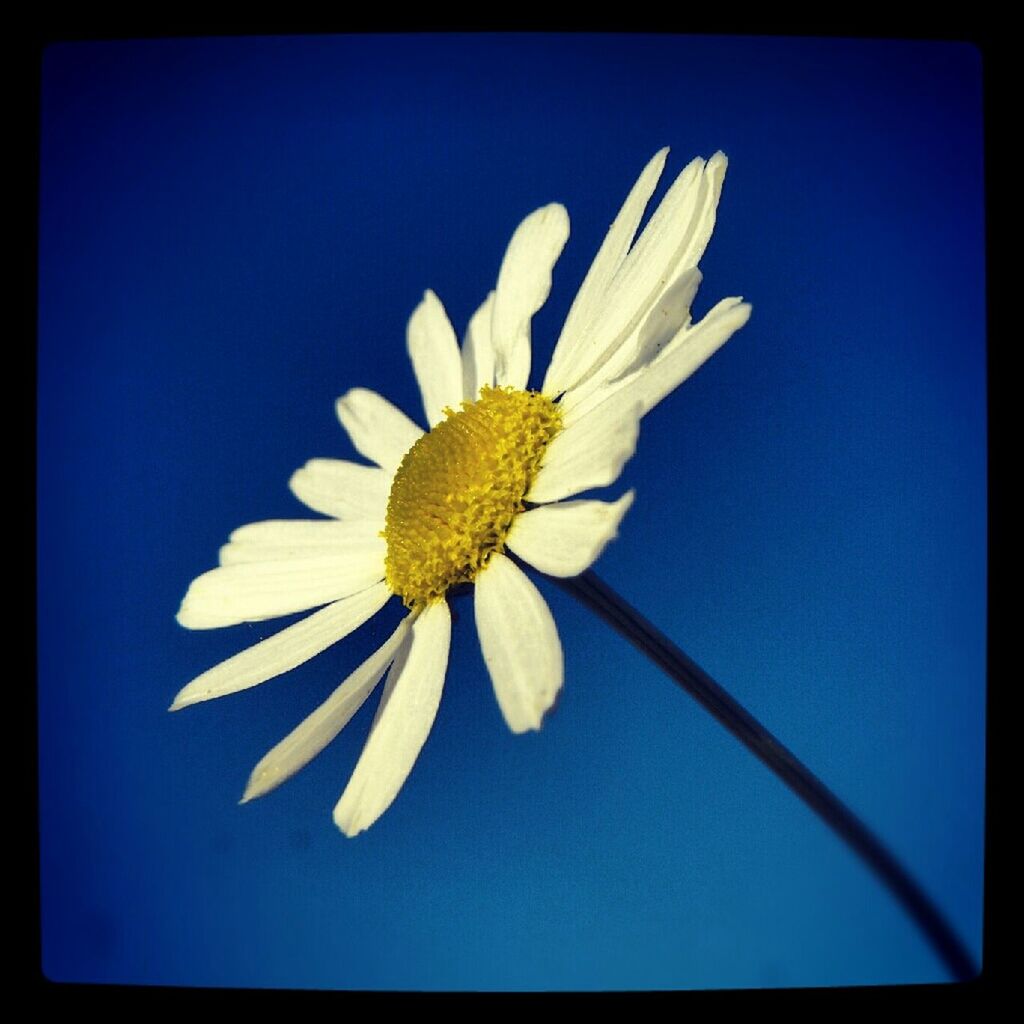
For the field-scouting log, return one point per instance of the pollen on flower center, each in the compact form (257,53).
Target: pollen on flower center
(459,488)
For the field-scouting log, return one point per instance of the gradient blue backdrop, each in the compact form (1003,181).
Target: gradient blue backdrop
(233,232)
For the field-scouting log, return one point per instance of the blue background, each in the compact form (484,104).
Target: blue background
(233,232)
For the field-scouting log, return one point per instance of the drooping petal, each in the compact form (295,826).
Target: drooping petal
(519,642)
(285,650)
(342,489)
(307,739)
(524,283)
(477,352)
(254,591)
(591,296)
(435,358)
(673,240)
(408,706)
(590,451)
(566,538)
(677,361)
(379,430)
(671,314)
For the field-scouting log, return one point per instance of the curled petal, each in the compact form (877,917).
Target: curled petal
(591,296)
(674,239)
(677,361)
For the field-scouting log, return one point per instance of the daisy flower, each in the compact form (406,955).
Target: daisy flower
(498,470)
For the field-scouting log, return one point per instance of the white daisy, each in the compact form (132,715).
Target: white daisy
(440,508)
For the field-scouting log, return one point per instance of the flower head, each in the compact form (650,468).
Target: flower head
(441,508)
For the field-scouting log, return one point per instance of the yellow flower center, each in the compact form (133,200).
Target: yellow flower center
(459,488)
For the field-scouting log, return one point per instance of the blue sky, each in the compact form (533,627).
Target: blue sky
(233,232)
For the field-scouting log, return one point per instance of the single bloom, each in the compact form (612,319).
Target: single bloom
(499,470)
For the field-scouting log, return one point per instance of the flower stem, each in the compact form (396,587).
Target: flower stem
(606,603)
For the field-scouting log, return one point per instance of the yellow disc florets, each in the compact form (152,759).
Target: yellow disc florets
(459,488)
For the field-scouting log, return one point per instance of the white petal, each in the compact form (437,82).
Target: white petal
(435,358)
(253,591)
(408,706)
(707,211)
(590,298)
(519,642)
(590,451)
(285,650)
(673,240)
(307,739)
(682,357)
(694,347)
(283,540)
(565,539)
(671,314)
(477,353)
(299,532)
(524,283)
(341,489)
(644,273)
(379,431)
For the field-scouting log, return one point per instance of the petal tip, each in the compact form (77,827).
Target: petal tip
(559,213)
(346,824)
(184,699)
(265,777)
(657,163)
(430,300)
(191,617)
(521,728)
